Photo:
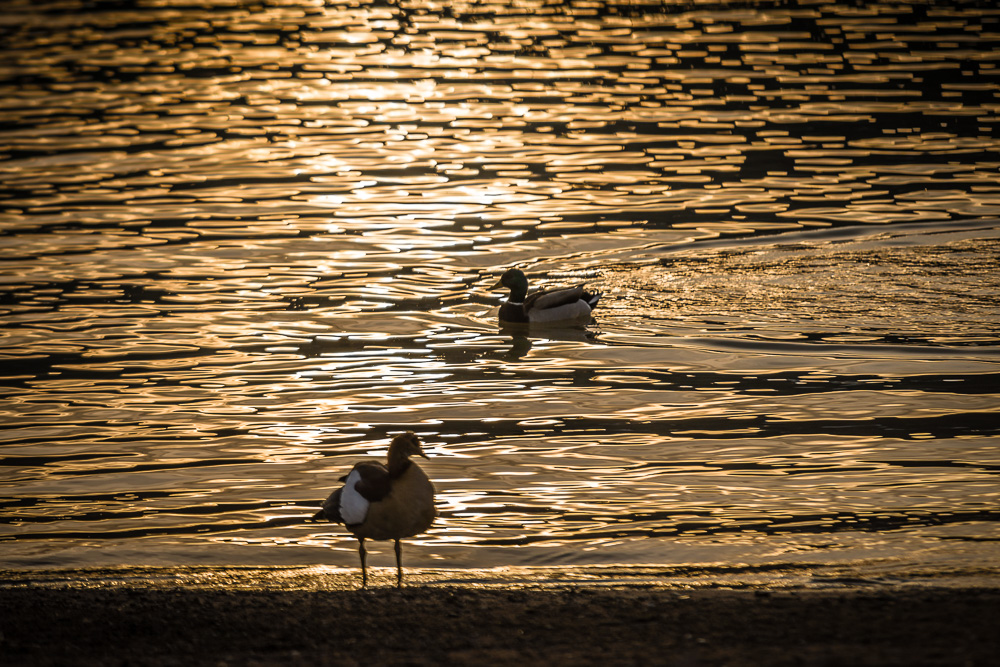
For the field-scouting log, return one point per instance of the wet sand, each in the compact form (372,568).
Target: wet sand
(541,616)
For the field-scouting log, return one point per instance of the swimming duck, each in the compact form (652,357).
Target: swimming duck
(566,306)
(384,502)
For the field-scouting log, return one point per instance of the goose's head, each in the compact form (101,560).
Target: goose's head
(406,445)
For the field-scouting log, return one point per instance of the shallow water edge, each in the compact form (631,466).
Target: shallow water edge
(881,575)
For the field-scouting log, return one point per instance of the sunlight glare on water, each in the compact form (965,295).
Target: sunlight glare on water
(245,244)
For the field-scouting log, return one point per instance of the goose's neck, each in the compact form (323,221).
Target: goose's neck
(398,462)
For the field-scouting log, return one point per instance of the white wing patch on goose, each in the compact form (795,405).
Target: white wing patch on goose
(353,506)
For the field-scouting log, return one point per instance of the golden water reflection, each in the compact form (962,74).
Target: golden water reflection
(243,246)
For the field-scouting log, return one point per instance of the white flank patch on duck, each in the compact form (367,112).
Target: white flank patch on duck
(353,506)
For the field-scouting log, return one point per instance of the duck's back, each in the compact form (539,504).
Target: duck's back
(554,298)
(567,306)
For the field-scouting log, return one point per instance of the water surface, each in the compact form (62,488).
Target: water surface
(245,244)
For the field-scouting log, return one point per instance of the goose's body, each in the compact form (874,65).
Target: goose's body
(568,306)
(384,502)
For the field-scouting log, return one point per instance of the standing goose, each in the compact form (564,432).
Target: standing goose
(380,502)
(567,306)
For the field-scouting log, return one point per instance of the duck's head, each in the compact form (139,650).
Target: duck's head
(405,445)
(514,280)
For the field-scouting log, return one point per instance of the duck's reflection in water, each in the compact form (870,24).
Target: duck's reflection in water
(521,337)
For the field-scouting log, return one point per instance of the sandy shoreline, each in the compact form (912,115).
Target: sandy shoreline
(529,616)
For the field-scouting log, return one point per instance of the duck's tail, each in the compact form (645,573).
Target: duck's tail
(591,298)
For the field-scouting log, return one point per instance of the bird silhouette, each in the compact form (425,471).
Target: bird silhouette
(384,502)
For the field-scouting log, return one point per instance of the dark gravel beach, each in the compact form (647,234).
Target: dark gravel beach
(273,617)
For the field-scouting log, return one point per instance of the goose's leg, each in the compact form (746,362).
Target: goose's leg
(399,565)
(364,569)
